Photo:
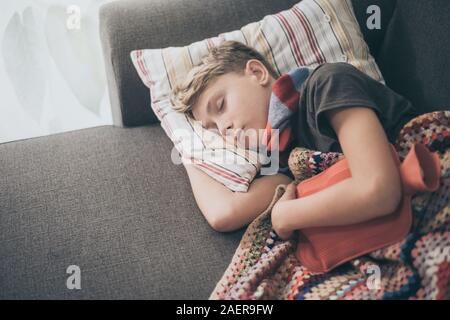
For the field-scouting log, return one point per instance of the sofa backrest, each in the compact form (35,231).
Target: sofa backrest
(414,57)
(374,37)
(141,24)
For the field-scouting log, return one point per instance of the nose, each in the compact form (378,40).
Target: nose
(225,129)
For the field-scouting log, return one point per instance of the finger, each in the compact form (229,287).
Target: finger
(290,192)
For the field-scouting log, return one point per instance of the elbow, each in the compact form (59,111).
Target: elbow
(220,220)
(385,196)
(219,224)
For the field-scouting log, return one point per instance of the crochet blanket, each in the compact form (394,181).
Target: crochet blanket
(265,267)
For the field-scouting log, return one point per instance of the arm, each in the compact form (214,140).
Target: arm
(226,210)
(373,190)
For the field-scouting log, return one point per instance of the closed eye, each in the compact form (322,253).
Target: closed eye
(221,105)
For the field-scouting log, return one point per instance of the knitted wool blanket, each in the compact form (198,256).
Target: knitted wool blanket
(265,267)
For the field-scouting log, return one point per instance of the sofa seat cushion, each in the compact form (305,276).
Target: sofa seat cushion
(110,201)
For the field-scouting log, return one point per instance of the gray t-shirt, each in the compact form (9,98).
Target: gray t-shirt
(338,85)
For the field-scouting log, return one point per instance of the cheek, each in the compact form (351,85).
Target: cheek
(250,104)
(260,107)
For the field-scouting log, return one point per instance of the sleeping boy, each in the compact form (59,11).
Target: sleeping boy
(332,107)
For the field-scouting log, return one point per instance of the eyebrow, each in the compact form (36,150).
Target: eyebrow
(208,108)
(211,98)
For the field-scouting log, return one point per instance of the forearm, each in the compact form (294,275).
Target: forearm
(226,210)
(249,205)
(344,203)
(213,198)
(373,190)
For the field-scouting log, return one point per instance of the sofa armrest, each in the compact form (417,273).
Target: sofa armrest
(127,25)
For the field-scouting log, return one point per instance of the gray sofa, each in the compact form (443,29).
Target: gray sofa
(109,200)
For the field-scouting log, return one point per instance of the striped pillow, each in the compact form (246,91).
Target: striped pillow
(312,32)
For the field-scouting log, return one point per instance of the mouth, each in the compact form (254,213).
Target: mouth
(235,137)
(238,137)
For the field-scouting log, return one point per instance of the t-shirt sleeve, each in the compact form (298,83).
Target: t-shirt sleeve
(339,85)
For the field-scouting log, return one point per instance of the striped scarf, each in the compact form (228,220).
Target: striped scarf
(284,103)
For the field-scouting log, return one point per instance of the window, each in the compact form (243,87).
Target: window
(52,74)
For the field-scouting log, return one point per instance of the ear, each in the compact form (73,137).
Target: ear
(256,69)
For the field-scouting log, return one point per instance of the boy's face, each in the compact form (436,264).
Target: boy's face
(237,105)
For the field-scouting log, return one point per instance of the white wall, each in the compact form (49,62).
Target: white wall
(52,75)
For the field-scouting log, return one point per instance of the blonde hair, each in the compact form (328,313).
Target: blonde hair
(230,56)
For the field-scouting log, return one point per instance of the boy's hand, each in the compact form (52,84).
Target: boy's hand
(277,213)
